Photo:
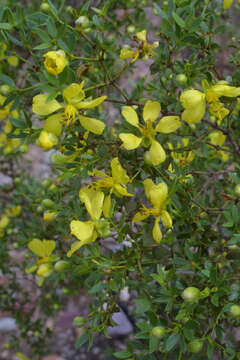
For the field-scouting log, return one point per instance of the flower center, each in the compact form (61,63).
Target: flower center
(70,114)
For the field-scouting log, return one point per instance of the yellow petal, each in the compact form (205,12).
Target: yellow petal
(140,216)
(55,61)
(93,200)
(74,247)
(194,115)
(156,194)
(168,124)
(31,269)
(127,54)
(142,35)
(157,153)
(93,125)
(120,191)
(107,206)
(217,138)
(151,111)
(42,248)
(22,356)
(130,115)
(47,140)
(91,103)
(118,173)
(74,93)
(43,107)
(157,234)
(130,141)
(227,4)
(53,124)
(49,246)
(83,230)
(192,98)
(166,219)
(225,90)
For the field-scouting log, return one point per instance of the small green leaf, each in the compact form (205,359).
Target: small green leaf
(81,340)
(178,19)
(6,26)
(124,354)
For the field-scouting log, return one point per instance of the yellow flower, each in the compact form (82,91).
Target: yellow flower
(217,138)
(55,62)
(43,249)
(13,61)
(182,157)
(6,110)
(47,140)
(194,102)
(49,216)
(74,100)
(14,212)
(228,3)
(144,49)
(4,221)
(157,196)
(166,125)
(87,231)
(115,183)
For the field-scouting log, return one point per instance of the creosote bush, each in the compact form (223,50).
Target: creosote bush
(143,190)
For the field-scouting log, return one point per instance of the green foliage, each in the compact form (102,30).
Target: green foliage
(185,176)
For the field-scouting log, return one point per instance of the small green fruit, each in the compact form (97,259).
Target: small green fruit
(237,190)
(48,204)
(61,266)
(82,22)
(158,332)
(5,90)
(191,294)
(24,148)
(181,79)
(131,29)
(147,158)
(45,7)
(235,311)
(195,346)
(79,321)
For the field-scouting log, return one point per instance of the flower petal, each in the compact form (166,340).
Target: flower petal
(225,90)
(156,194)
(130,115)
(168,124)
(157,234)
(74,93)
(107,206)
(118,173)
(157,153)
(166,219)
(142,35)
(119,190)
(83,230)
(93,200)
(91,103)
(74,247)
(53,124)
(151,111)
(130,141)
(43,107)
(93,125)
(139,216)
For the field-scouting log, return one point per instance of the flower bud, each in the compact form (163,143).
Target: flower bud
(191,294)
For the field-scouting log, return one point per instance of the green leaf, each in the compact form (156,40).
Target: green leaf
(143,305)
(7,80)
(6,26)
(18,123)
(81,340)
(178,20)
(171,342)
(54,10)
(161,12)
(124,354)
(52,28)
(153,344)
(42,46)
